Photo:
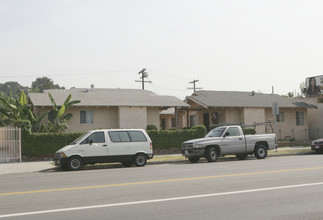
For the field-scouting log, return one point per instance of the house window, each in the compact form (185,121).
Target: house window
(86,117)
(280,117)
(51,116)
(193,120)
(299,118)
(173,122)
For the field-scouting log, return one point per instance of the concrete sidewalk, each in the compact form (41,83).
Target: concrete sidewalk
(38,166)
(25,167)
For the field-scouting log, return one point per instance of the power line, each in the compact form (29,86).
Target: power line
(66,74)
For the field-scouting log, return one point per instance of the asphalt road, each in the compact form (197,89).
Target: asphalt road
(286,187)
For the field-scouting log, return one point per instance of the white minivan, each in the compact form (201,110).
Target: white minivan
(128,146)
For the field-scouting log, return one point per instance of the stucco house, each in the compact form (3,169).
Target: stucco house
(212,108)
(315,119)
(108,108)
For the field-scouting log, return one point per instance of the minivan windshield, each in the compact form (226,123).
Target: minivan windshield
(77,140)
(216,132)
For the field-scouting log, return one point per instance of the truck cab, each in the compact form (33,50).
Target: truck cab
(228,140)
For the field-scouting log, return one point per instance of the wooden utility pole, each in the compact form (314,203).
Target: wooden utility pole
(143,76)
(194,87)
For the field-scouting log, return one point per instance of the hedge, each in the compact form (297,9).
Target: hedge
(46,144)
(174,138)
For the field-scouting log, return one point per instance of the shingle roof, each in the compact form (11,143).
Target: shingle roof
(244,99)
(107,97)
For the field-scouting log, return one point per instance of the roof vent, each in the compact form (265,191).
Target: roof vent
(252,93)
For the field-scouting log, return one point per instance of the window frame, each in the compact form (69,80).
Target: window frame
(89,117)
(129,136)
(300,120)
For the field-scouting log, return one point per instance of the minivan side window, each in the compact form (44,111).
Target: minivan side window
(97,137)
(119,136)
(137,136)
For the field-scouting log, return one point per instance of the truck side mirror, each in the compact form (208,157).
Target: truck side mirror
(226,134)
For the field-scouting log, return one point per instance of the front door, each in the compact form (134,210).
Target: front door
(233,142)
(95,148)
(206,120)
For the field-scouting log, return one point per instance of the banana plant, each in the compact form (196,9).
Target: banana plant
(16,112)
(60,118)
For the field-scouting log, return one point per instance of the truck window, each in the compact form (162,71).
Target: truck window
(137,136)
(233,132)
(216,132)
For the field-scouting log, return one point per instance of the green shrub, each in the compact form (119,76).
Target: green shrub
(175,138)
(151,127)
(249,131)
(45,144)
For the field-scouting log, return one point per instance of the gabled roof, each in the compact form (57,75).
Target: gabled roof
(107,97)
(207,99)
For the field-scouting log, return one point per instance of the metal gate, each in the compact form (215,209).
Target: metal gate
(10,145)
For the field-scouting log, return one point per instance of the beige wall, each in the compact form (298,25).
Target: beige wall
(233,115)
(103,117)
(153,117)
(111,117)
(288,128)
(254,115)
(315,119)
(133,117)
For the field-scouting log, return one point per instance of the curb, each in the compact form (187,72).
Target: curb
(48,166)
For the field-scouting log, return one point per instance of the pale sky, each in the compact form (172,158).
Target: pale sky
(228,45)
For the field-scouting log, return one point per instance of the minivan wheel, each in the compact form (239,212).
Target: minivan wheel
(140,160)
(74,163)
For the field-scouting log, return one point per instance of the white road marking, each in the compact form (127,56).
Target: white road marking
(159,200)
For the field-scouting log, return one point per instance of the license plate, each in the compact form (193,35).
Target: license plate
(186,152)
(317,147)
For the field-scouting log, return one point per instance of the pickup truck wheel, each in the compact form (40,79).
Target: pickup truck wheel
(261,152)
(193,159)
(211,154)
(74,163)
(242,156)
(140,160)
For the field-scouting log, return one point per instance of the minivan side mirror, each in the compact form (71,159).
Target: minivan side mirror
(91,142)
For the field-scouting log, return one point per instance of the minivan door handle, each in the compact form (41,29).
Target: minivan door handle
(104,145)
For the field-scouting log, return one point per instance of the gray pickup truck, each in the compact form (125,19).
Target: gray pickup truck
(228,140)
